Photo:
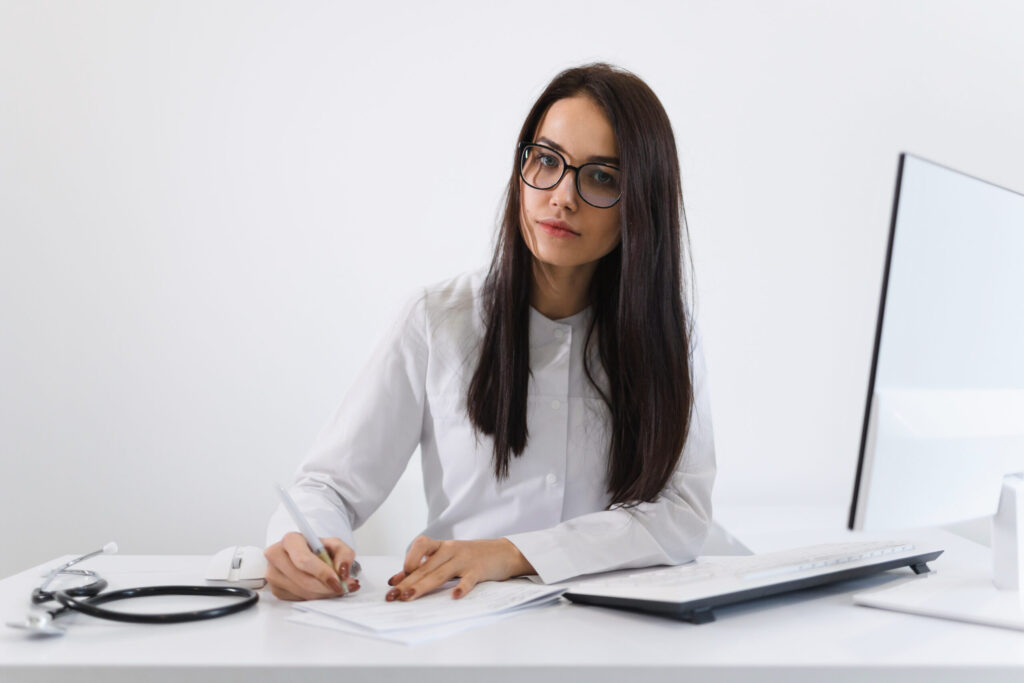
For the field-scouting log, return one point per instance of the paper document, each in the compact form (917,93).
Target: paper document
(366,612)
(368,608)
(403,636)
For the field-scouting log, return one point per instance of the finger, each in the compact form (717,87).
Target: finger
(445,551)
(274,581)
(465,585)
(421,548)
(305,569)
(304,560)
(428,576)
(281,594)
(286,588)
(429,581)
(342,555)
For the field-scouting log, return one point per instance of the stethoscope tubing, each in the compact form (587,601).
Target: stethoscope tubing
(94,596)
(89,606)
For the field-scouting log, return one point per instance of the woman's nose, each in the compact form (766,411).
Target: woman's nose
(564,193)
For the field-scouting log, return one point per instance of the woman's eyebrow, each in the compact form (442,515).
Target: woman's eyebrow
(594,159)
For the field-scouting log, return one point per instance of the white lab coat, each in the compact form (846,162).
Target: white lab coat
(552,506)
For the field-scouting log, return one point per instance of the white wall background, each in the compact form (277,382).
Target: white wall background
(210,210)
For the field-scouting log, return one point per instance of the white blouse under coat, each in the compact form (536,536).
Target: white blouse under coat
(552,505)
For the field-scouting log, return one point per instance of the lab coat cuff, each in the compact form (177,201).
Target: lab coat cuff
(544,551)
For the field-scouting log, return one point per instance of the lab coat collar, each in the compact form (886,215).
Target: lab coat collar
(544,330)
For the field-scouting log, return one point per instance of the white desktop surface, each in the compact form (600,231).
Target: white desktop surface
(814,635)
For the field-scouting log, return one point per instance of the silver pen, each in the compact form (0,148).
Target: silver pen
(307,531)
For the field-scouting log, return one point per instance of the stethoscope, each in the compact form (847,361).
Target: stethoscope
(41,621)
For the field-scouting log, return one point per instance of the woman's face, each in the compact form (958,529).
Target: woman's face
(560,228)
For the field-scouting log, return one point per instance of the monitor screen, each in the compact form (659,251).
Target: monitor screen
(945,409)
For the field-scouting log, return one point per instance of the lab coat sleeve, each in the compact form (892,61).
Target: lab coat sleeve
(668,531)
(365,446)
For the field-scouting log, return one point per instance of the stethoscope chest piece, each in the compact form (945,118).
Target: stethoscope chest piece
(38,623)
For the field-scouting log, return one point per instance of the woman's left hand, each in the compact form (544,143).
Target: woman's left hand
(431,563)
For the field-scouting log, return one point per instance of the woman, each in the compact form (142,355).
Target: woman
(558,398)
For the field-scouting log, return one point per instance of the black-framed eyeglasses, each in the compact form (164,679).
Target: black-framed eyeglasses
(542,167)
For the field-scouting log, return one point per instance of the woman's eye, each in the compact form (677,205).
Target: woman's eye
(549,160)
(602,177)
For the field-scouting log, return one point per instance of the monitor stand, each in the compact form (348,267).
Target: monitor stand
(981,592)
(1007,530)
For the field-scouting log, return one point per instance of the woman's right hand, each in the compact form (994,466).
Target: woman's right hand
(295,573)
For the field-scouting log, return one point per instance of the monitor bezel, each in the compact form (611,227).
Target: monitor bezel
(851,522)
(865,430)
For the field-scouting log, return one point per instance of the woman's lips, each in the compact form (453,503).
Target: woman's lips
(557,229)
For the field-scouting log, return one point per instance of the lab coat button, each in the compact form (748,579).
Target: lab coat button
(559,333)
(552,480)
(556,405)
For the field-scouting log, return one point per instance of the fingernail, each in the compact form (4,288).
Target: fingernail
(335,584)
(457,593)
(408,594)
(392,595)
(344,572)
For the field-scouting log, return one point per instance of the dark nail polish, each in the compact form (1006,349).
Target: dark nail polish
(392,595)
(408,594)
(457,593)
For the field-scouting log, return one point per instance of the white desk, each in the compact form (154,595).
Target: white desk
(816,635)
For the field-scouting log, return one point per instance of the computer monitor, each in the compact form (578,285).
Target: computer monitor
(944,420)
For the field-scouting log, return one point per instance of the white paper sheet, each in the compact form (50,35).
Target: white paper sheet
(368,609)
(405,636)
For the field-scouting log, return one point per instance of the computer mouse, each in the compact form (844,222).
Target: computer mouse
(238,565)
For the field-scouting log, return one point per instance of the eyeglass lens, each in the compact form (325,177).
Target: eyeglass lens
(542,168)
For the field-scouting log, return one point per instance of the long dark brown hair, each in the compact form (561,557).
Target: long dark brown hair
(635,297)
